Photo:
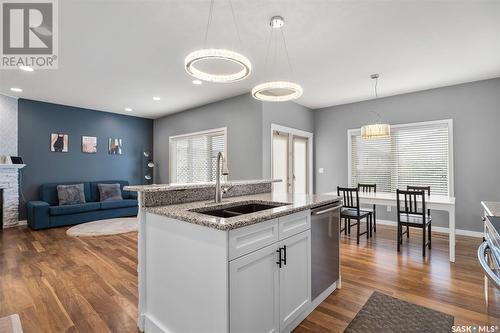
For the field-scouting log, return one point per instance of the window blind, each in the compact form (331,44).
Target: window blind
(193,157)
(415,154)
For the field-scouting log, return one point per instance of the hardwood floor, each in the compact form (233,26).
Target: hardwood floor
(63,284)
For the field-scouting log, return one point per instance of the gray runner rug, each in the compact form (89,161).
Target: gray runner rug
(382,313)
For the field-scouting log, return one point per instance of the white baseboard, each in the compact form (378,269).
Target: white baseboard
(444,230)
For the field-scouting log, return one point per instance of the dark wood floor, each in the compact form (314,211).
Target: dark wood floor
(62,284)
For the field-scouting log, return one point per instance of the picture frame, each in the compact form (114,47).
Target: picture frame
(59,142)
(89,144)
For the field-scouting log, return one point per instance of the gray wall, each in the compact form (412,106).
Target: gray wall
(286,114)
(8,126)
(37,120)
(475,110)
(242,115)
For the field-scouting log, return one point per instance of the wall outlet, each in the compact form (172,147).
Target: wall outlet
(321,170)
(389,208)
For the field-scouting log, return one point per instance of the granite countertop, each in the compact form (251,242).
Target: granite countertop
(491,207)
(186,186)
(293,204)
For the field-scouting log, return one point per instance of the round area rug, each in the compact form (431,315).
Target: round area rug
(104,227)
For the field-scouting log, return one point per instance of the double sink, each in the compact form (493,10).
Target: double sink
(239,209)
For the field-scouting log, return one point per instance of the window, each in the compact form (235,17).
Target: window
(415,154)
(193,156)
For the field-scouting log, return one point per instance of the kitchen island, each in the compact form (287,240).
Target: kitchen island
(242,265)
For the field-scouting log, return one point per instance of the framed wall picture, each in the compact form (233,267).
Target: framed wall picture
(59,142)
(115,146)
(89,144)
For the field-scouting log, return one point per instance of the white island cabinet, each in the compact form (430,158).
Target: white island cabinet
(194,278)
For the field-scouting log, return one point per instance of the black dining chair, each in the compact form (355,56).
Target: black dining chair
(419,188)
(352,211)
(412,212)
(369,188)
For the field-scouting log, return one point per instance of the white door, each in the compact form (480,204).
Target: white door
(300,167)
(295,277)
(254,292)
(280,162)
(290,161)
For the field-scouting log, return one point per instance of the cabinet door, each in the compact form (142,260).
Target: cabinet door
(254,292)
(295,277)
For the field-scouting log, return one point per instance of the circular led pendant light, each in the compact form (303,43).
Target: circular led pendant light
(277,91)
(210,54)
(377,130)
(217,54)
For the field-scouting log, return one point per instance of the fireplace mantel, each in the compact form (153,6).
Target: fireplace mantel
(12,166)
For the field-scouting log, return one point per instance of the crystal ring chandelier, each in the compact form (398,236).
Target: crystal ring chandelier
(267,91)
(217,54)
(277,91)
(194,59)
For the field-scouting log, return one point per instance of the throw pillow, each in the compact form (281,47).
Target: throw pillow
(109,192)
(70,194)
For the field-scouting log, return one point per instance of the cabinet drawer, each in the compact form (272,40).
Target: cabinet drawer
(253,237)
(293,224)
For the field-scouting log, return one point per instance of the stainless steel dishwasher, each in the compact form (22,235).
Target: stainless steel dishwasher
(325,250)
(488,255)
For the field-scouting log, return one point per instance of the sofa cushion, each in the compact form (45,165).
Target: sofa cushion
(109,192)
(94,189)
(70,194)
(48,192)
(74,209)
(112,204)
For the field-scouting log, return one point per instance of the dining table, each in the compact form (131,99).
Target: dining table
(433,202)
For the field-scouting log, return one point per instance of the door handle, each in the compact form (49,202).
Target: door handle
(284,255)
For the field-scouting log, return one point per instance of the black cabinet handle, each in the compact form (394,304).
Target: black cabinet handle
(284,255)
(279,257)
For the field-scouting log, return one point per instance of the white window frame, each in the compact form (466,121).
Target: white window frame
(174,137)
(448,122)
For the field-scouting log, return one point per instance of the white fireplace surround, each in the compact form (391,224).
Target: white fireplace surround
(9,181)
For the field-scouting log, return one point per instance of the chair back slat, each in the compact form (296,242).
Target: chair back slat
(426,189)
(367,188)
(412,199)
(350,195)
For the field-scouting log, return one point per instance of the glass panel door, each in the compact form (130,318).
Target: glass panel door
(280,161)
(300,170)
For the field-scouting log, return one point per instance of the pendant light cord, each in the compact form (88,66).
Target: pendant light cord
(274,39)
(287,55)
(235,24)
(209,23)
(379,118)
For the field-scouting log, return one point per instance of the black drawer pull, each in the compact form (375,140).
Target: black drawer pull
(284,255)
(279,257)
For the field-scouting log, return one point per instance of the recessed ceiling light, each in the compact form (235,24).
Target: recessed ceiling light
(156,98)
(26,68)
(128,109)
(197,82)
(14,89)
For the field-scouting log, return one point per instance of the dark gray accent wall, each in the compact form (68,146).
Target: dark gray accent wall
(37,120)
(475,110)
(242,115)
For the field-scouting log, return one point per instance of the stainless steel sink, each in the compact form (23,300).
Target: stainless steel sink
(239,209)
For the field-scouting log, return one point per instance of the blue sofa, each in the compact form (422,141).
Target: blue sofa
(47,213)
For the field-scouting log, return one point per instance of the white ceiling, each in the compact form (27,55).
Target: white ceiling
(116,54)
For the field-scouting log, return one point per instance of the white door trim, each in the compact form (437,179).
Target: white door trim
(310,145)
